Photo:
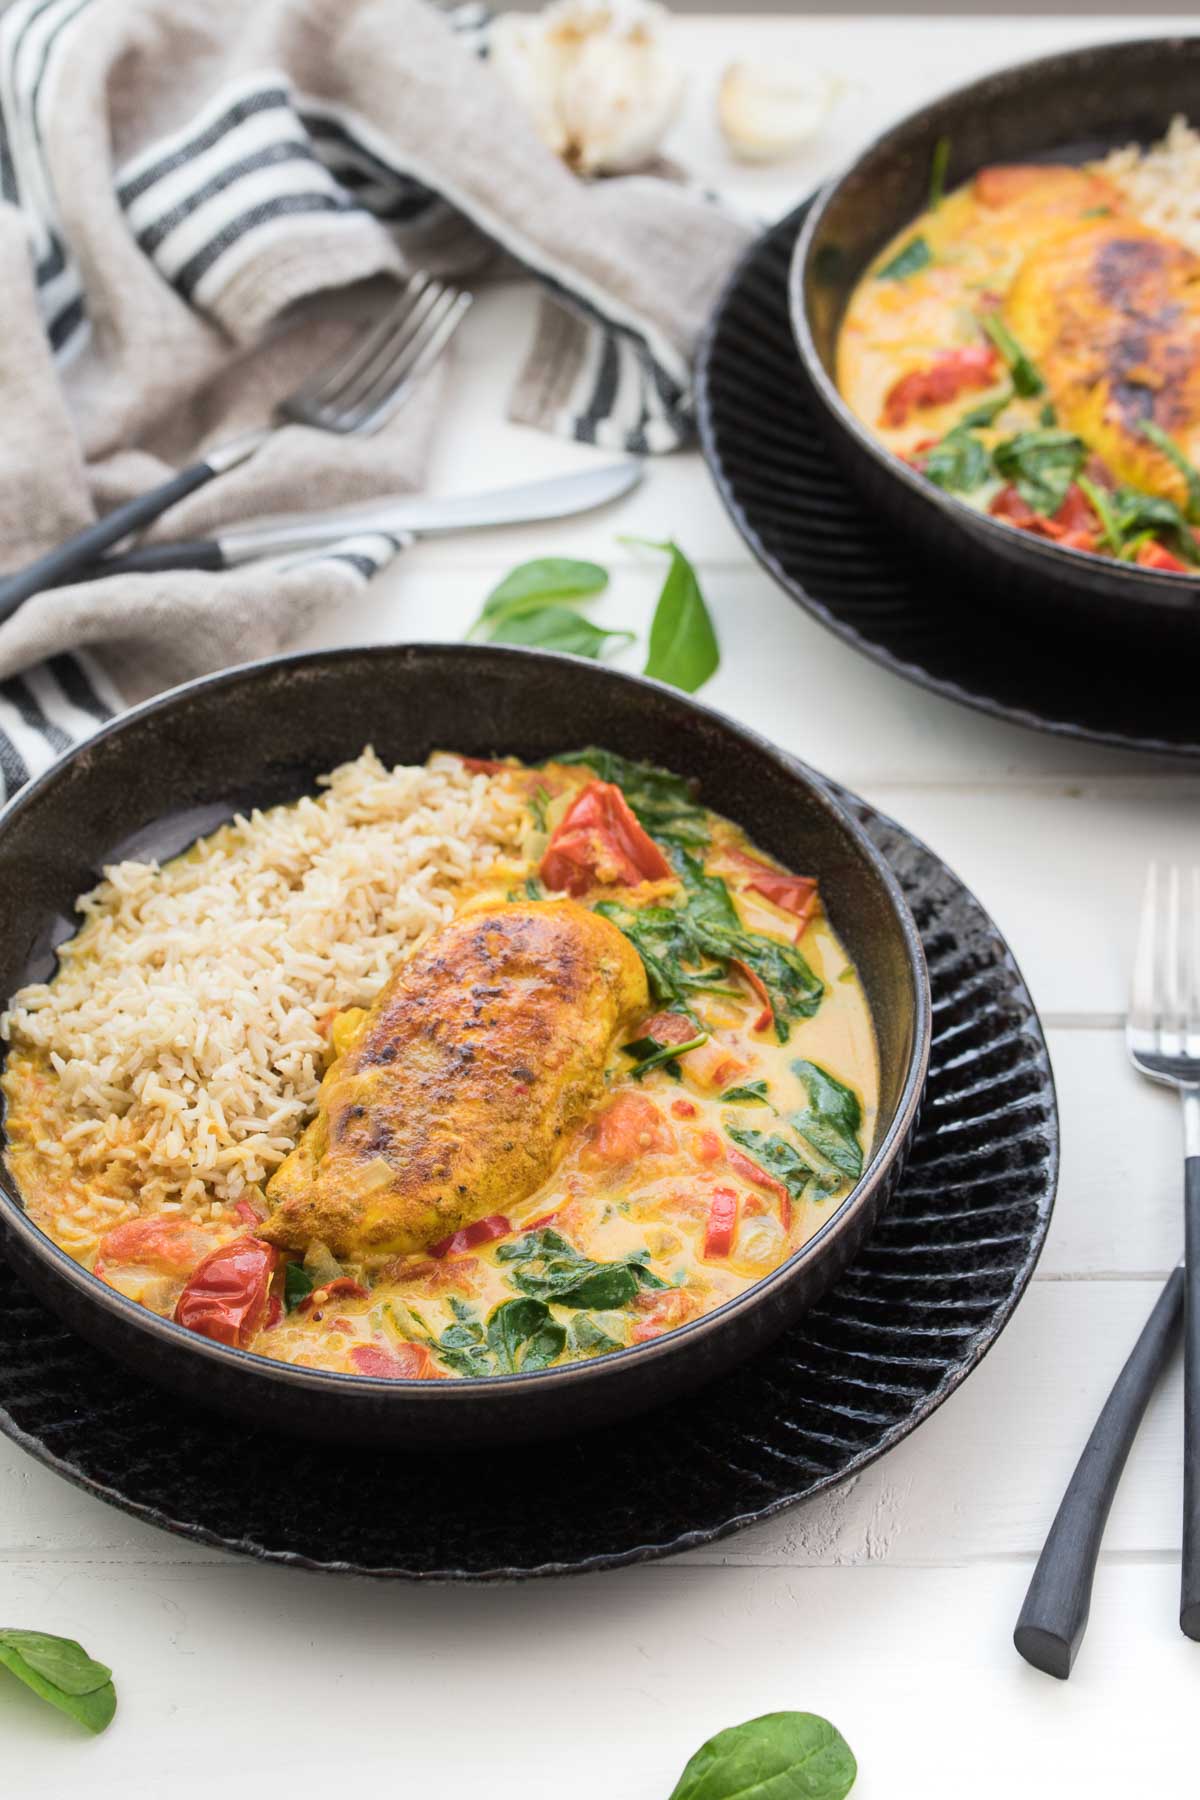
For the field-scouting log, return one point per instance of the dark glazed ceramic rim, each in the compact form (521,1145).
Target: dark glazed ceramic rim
(1154,592)
(730,452)
(59,1422)
(459,1394)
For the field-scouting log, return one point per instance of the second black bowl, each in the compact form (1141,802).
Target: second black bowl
(150,783)
(1070,108)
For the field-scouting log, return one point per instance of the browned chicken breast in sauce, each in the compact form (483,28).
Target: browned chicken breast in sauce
(459,1089)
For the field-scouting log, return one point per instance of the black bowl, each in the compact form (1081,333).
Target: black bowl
(174,768)
(1065,108)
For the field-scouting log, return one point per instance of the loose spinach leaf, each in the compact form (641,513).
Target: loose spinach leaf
(777,1157)
(1047,415)
(532,585)
(938,164)
(1025,378)
(959,463)
(915,255)
(832,1120)
(522,1335)
(780,1756)
(554,628)
(298,1284)
(1101,504)
(548,1268)
(1042,463)
(985,412)
(663,803)
(683,647)
(1190,473)
(656,934)
(649,1053)
(587,1337)
(751,1093)
(62,1672)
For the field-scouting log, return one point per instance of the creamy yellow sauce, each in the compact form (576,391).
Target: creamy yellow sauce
(635,1188)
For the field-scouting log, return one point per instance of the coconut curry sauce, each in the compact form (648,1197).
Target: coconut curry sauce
(691,1088)
(1030,347)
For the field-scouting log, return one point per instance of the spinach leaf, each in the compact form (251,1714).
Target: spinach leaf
(532,585)
(62,1672)
(554,628)
(663,803)
(1042,463)
(938,163)
(777,1157)
(751,1093)
(986,412)
(522,1335)
(649,1053)
(538,802)
(298,1284)
(551,1269)
(780,1756)
(832,1120)
(587,1337)
(1101,504)
(1025,378)
(683,644)
(1153,513)
(1174,454)
(914,256)
(959,463)
(713,927)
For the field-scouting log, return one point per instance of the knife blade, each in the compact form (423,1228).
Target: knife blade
(415,515)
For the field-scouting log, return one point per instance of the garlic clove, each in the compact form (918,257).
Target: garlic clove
(530,62)
(766,114)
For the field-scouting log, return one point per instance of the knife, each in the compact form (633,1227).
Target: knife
(416,515)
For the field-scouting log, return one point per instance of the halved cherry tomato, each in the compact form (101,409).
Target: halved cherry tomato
(1152,556)
(167,1244)
(951,373)
(480,1231)
(226,1296)
(793,893)
(407,1362)
(600,843)
(630,1127)
(722,1222)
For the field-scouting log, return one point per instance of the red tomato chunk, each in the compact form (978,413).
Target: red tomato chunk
(168,1245)
(226,1296)
(951,373)
(600,844)
(722,1222)
(407,1362)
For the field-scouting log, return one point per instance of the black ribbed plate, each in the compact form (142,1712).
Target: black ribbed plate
(763,436)
(911,1318)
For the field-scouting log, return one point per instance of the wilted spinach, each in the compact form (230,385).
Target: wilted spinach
(777,1157)
(662,802)
(548,1268)
(832,1119)
(1025,377)
(1042,464)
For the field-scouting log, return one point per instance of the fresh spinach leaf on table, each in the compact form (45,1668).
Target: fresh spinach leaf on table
(683,647)
(780,1756)
(556,628)
(832,1120)
(62,1672)
(531,585)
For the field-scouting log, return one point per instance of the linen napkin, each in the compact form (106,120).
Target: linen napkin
(181,184)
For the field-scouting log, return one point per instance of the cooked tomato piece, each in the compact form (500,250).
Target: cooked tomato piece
(684,1109)
(951,373)
(669,1028)
(1074,524)
(707,1146)
(226,1296)
(1004,183)
(599,843)
(165,1243)
(759,988)
(248,1213)
(482,765)
(662,1310)
(631,1126)
(750,1171)
(406,1362)
(722,1222)
(345,1286)
(480,1231)
(1152,556)
(793,893)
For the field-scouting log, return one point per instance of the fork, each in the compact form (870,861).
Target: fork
(1162,1036)
(357,392)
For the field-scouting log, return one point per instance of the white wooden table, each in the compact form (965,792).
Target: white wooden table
(889,1605)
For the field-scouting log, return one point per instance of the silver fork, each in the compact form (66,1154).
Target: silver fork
(357,392)
(1162,1035)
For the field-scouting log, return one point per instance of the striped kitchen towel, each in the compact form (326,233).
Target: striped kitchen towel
(180,183)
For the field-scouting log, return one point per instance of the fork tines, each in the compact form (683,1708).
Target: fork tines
(1165,1000)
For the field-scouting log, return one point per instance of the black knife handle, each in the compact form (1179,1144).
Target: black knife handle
(1055,1614)
(61,564)
(153,559)
(1189,1587)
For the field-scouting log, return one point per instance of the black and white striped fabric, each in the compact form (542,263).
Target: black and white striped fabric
(46,711)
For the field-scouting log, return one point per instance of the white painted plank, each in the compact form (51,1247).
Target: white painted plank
(246,1679)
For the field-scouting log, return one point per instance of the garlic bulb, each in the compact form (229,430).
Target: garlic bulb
(597,78)
(767,113)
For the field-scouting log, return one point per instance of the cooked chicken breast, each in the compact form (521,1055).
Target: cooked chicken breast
(457,1094)
(1110,314)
